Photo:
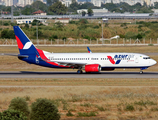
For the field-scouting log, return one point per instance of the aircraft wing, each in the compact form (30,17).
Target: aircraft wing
(73,64)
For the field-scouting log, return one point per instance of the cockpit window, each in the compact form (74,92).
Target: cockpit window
(146,58)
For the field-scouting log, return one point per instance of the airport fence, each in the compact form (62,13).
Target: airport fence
(84,42)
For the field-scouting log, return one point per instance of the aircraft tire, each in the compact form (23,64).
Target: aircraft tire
(141,72)
(79,71)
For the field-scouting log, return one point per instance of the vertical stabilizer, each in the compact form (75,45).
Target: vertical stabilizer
(25,46)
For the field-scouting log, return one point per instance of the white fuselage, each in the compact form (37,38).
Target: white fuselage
(108,60)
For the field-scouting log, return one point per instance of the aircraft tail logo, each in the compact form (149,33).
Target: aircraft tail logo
(24,44)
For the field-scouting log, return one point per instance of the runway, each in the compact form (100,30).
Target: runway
(29,74)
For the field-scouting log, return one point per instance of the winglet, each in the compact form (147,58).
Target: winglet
(89,51)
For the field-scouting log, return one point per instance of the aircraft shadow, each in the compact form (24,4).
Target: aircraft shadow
(112,73)
(73,73)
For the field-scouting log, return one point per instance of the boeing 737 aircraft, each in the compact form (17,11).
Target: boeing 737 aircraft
(90,62)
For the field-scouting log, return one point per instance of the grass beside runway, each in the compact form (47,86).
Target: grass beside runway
(106,98)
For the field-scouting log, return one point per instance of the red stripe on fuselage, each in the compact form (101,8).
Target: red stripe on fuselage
(111,60)
(20,45)
(41,53)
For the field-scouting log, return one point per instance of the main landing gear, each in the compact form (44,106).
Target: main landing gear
(79,71)
(141,72)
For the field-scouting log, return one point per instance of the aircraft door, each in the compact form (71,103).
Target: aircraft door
(136,59)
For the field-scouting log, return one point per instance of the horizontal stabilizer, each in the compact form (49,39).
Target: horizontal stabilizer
(17,55)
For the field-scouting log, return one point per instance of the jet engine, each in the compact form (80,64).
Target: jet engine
(92,68)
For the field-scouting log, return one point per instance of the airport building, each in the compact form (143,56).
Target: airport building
(63,20)
(95,11)
(28,21)
(39,12)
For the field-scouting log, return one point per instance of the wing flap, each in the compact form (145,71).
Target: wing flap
(74,64)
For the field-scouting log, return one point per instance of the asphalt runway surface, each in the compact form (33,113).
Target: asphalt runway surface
(29,74)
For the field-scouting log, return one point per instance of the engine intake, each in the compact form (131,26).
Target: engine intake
(93,68)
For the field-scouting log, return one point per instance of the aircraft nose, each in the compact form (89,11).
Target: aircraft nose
(153,62)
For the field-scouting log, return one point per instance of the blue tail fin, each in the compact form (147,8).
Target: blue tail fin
(89,51)
(25,46)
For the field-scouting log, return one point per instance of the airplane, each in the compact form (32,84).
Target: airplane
(89,62)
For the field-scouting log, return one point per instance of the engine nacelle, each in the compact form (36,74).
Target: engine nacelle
(93,68)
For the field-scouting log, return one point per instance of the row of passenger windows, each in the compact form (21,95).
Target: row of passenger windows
(69,58)
(89,58)
(115,58)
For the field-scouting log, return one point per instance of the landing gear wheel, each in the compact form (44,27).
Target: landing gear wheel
(79,71)
(141,72)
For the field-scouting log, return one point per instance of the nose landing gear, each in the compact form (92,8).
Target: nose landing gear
(141,72)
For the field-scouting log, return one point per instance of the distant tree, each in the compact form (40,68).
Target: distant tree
(73,7)
(90,12)
(139,36)
(0,116)
(87,5)
(11,34)
(50,2)
(83,13)
(27,10)
(8,34)
(156,5)
(59,25)
(109,6)
(54,1)
(4,33)
(73,1)
(58,8)
(144,4)
(83,21)
(40,34)
(38,5)
(145,10)
(26,26)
